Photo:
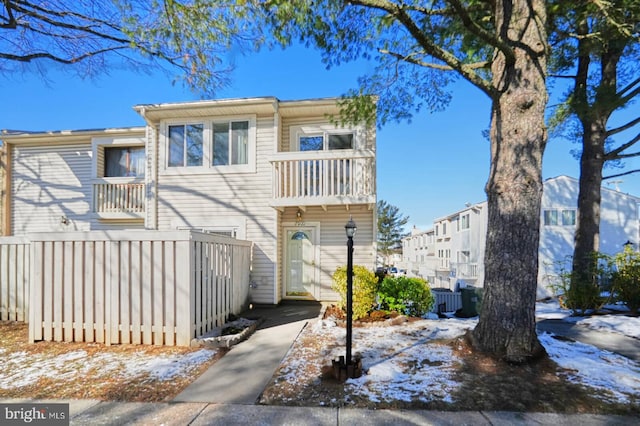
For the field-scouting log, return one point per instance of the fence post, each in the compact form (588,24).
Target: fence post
(185,292)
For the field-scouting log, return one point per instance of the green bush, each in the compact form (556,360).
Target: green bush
(581,291)
(626,279)
(409,296)
(364,289)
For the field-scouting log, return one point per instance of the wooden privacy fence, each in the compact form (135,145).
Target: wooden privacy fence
(140,287)
(14,278)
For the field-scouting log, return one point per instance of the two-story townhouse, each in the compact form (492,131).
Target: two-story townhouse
(276,173)
(619,224)
(469,227)
(419,254)
(442,236)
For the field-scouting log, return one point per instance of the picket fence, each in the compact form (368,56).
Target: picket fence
(14,279)
(139,287)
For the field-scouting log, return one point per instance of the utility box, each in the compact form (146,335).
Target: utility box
(471,300)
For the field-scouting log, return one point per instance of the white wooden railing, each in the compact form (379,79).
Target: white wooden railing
(324,177)
(118,196)
(465,270)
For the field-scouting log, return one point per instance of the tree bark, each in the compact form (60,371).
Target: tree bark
(507,326)
(593,119)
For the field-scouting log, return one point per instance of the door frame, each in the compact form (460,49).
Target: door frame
(290,226)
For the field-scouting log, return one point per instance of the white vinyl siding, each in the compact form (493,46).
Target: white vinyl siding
(214,200)
(49,183)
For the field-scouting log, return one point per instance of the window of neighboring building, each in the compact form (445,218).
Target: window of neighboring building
(554,217)
(551,217)
(444,228)
(185,145)
(465,221)
(124,161)
(568,217)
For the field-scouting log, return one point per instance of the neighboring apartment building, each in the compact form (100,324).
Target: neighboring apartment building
(276,173)
(453,251)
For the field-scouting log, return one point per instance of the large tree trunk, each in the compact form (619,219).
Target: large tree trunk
(507,327)
(593,119)
(587,239)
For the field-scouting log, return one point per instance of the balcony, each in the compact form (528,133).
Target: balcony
(465,270)
(339,177)
(119,198)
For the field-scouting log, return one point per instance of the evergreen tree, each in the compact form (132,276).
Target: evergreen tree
(390,229)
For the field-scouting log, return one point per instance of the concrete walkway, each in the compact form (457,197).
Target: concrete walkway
(613,342)
(241,375)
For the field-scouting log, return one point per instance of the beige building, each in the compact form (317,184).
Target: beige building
(276,173)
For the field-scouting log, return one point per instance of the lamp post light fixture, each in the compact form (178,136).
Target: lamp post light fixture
(350,229)
(348,367)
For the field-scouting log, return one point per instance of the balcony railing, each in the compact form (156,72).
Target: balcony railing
(323,177)
(465,270)
(115,198)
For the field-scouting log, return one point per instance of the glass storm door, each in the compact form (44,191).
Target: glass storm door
(300,264)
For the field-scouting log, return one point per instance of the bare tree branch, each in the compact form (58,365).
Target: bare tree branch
(621,174)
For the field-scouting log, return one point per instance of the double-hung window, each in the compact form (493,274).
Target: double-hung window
(185,145)
(230,143)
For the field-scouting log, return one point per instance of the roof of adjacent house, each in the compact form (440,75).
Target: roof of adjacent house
(22,136)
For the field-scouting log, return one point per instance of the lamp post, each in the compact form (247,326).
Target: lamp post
(350,229)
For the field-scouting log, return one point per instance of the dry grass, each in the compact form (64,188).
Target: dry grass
(107,377)
(485,384)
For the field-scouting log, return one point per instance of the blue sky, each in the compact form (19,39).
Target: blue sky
(427,168)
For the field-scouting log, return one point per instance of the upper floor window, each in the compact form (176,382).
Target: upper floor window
(216,144)
(185,145)
(321,137)
(124,161)
(230,143)
(554,217)
(464,221)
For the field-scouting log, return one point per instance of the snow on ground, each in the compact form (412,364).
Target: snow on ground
(393,360)
(24,369)
(392,357)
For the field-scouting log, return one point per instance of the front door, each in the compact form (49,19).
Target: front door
(300,267)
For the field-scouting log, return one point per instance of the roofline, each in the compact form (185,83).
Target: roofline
(602,187)
(19,136)
(140,108)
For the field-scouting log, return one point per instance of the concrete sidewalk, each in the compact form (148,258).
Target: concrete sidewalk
(91,412)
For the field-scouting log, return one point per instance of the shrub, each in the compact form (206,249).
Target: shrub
(581,291)
(410,296)
(364,289)
(626,279)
